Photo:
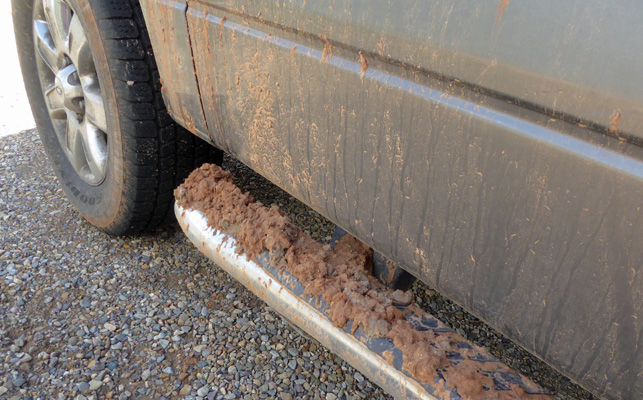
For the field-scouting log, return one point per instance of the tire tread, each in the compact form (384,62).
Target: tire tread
(158,153)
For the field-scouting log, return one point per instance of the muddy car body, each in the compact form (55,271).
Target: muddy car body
(491,158)
(493,149)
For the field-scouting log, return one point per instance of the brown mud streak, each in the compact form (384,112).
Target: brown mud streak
(380,47)
(221,28)
(392,269)
(340,277)
(502,4)
(362,60)
(327,53)
(614,123)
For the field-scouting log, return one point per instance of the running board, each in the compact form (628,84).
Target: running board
(376,358)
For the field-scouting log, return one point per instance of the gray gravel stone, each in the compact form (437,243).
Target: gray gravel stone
(83,387)
(19,381)
(95,385)
(203,391)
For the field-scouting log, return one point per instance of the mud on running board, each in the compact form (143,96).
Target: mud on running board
(377,358)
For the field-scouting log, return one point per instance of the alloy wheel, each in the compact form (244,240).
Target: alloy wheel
(71,88)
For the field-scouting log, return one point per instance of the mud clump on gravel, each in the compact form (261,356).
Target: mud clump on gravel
(341,276)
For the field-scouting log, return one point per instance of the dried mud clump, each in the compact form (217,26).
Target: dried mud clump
(341,277)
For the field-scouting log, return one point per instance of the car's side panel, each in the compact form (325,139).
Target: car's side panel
(520,218)
(532,223)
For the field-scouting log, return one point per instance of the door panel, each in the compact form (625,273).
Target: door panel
(531,223)
(579,58)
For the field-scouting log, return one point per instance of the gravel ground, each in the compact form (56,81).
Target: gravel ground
(88,316)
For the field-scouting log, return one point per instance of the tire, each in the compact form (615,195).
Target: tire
(119,169)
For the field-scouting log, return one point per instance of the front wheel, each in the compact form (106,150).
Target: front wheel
(94,90)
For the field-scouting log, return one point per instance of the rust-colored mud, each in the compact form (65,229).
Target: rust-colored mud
(340,276)
(362,61)
(327,53)
(392,269)
(614,123)
(221,28)
(380,47)
(502,4)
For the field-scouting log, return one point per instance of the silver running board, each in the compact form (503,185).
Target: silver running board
(365,354)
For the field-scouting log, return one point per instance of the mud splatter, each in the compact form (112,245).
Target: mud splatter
(614,123)
(501,10)
(327,53)
(362,60)
(255,102)
(342,277)
(392,269)
(221,28)
(502,4)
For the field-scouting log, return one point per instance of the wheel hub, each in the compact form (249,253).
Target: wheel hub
(67,85)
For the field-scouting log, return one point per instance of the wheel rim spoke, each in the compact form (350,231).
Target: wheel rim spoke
(79,51)
(95,147)
(94,105)
(56,102)
(75,142)
(58,15)
(45,45)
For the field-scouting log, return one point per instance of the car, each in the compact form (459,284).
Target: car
(493,150)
